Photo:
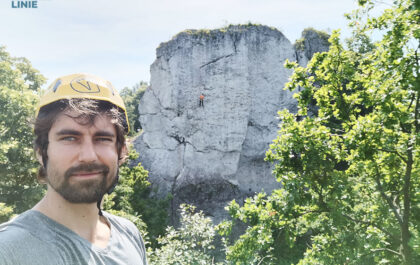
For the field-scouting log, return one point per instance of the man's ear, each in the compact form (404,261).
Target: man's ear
(39,157)
(123,154)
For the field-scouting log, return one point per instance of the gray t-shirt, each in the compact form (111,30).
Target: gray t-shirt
(33,238)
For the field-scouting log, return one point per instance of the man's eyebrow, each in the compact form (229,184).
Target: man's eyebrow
(68,132)
(104,133)
(74,132)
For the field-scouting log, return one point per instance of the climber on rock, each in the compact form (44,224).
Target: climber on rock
(201,104)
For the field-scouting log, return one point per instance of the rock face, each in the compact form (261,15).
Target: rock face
(208,155)
(312,41)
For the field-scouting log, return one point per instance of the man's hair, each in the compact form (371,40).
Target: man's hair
(84,112)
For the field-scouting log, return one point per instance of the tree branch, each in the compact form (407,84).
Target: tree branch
(411,101)
(261,260)
(372,224)
(395,209)
(405,233)
(416,112)
(394,152)
(386,249)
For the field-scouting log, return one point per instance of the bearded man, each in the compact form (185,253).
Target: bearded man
(80,131)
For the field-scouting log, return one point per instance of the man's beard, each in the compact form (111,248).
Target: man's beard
(84,191)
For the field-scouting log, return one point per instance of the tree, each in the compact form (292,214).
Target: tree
(19,84)
(191,243)
(131,97)
(350,172)
(131,199)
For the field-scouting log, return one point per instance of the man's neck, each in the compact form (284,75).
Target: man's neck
(81,218)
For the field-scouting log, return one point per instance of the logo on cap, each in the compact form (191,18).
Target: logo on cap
(83,86)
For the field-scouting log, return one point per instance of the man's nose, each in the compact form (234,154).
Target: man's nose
(87,152)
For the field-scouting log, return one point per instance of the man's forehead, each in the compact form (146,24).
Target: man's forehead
(72,119)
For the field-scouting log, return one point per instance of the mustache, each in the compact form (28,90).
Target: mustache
(91,167)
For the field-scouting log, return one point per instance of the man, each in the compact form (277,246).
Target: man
(80,133)
(201,104)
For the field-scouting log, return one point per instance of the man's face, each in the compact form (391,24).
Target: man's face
(82,159)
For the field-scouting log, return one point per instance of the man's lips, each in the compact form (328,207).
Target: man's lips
(86,174)
(87,171)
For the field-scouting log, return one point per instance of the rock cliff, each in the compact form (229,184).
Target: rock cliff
(208,155)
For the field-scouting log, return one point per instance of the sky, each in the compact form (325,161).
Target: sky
(117,39)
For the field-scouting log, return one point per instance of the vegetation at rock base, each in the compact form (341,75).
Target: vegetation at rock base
(350,173)
(131,97)
(131,199)
(191,243)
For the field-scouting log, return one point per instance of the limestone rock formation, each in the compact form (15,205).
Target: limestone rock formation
(208,155)
(311,42)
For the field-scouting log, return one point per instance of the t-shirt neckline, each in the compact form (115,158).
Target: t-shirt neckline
(86,242)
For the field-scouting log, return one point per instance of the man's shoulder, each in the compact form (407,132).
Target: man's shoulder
(11,239)
(10,234)
(15,230)
(29,227)
(18,243)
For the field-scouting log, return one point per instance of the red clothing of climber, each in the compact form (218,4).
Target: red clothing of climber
(201,101)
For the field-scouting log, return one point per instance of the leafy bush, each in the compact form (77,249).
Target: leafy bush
(6,212)
(192,243)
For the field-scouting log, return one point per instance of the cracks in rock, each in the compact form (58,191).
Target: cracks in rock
(297,57)
(162,109)
(258,127)
(149,113)
(217,59)
(208,149)
(157,98)
(235,38)
(173,186)
(179,139)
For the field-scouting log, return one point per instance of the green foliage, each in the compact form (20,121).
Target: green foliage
(130,179)
(191,243)
(269,238)
(131,198)
(131,97)
(6,212)
(350,172)
(19,83)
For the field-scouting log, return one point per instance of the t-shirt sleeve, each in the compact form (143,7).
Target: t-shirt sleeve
(18,247)
(9,252)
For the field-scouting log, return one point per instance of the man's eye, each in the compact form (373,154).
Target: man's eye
(69,138)
(103,139)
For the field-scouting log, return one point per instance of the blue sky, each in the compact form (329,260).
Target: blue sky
(117,39)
